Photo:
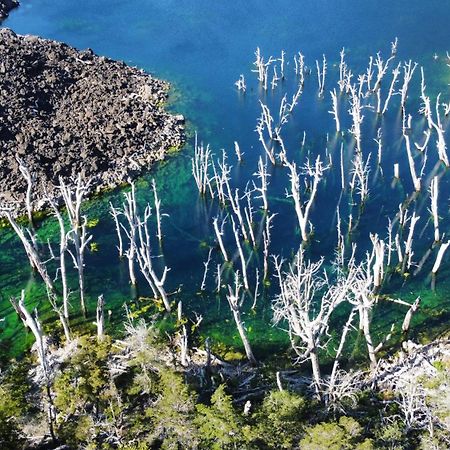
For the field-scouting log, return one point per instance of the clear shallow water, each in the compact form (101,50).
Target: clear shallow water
(202,48)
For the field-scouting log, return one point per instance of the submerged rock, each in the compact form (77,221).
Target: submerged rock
(67,112)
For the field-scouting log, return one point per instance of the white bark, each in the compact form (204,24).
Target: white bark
(334,110)
(100,313)
(233,301)
(73,195)
(219,234)
(412,168)
(302,209)
(434,192)
(440,255)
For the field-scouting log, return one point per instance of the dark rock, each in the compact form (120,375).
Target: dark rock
(68,112)
(6,6)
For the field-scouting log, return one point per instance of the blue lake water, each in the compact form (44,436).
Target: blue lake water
(202,48)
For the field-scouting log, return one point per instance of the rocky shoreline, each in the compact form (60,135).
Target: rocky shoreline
(6,6)
(66,112)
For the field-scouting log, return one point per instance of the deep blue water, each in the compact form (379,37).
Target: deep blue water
(201,48)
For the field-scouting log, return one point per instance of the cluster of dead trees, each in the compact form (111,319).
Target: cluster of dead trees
(309,293)
(309,289)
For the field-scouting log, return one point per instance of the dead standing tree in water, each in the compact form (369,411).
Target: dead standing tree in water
(32,254)
(63,247)
(145,260)
(321,72)
(334,110)
(233,298)
(262,175)
(130,213)
(73,195)
(302,209)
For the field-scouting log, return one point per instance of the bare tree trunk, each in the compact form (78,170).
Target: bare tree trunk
(33,323)
(100,317)
(73,197)
(34,258)
(233,300)
(366,330)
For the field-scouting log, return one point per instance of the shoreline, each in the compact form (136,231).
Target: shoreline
(66,112)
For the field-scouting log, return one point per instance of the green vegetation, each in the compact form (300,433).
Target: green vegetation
(132,394)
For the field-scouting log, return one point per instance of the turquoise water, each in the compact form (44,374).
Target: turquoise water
(202,48)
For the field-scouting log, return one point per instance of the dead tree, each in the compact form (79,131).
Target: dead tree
(130,213)
(395,74)
(241,254)
(81,240)
(33,256)
(334,371)
(394,45)
(145,260)
(115,213)
(306,301)
(222,178)
(262,175)
(238,152)
(266,244)
(205,273)
(260,126)
(408,71)
(369,74)
(334,110)
(412,168)
(63,247)
(382,69)
(73,195)
(275,78)
(362,294)
(158,210)
(282,61)
(219,234)
(378,140)
(302,209)
(357,118)
(360,176)
(240,84)
(321,72)
(342,70)
(378,248)
(233,298)
(200,167)
(236,206)
(32,322)
(262,67)
(440,144)
(248,212)
(439,257)
(434,192)
(299,62)
(408,253)
(408,316)
(100,313)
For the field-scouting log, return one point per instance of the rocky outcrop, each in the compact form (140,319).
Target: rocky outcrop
(66,112)
(6,6)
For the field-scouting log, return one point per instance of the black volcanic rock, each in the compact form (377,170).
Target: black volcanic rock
(66,112)
(6,6)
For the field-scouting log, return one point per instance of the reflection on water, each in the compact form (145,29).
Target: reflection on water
(202,48)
